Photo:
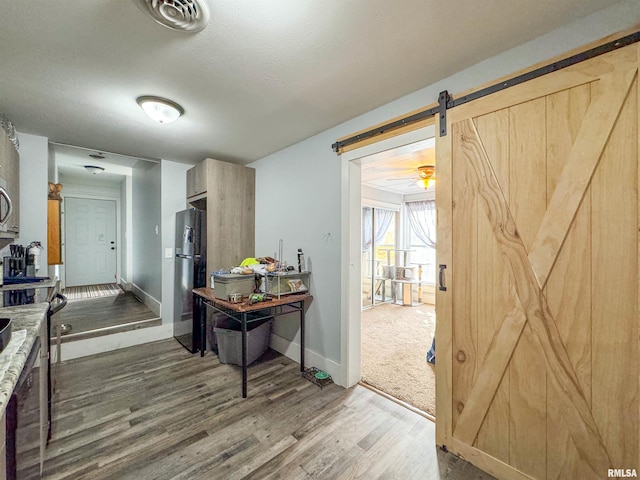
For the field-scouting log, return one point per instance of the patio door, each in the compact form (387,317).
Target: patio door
(537,334)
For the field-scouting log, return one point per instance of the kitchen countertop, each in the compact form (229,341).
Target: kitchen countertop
(26,323)
(27,286)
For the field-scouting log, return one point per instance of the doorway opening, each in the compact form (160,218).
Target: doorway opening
(398,274)
(96,242)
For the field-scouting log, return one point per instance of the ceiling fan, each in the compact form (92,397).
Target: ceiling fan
(426,176)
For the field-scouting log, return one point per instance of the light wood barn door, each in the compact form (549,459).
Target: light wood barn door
(537,334)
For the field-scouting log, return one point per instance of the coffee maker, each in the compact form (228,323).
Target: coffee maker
(18,267)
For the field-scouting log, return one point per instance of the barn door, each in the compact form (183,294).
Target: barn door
(538,359)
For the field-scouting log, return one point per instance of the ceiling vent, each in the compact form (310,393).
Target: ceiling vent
(183,15)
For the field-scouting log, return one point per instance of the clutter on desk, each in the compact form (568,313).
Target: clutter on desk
(261,275)
(227,284)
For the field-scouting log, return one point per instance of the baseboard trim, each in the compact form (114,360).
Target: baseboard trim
(153,304)
(311,359)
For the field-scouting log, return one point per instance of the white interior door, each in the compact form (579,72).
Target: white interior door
(90,246)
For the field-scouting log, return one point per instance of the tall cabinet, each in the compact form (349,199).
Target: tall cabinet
(227,192)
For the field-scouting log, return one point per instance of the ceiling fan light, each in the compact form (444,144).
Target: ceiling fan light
(160,109)
(94,169)
(427,174)
(425,182)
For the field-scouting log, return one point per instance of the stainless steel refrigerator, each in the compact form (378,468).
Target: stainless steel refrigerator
(190,273)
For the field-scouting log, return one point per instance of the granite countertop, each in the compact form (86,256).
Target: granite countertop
(26,323)
(27,286)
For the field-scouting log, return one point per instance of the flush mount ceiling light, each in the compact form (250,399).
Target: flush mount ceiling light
(427,174)
(93,169)
(160,109)
(182,15)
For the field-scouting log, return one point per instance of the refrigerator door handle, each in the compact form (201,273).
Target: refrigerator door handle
(188,234)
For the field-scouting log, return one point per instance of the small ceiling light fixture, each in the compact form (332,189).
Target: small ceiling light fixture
(427,174)
(93,169)
(160,109)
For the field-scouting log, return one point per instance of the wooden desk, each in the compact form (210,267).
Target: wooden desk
(239,312)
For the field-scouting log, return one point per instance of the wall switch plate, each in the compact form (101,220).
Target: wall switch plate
(168,252)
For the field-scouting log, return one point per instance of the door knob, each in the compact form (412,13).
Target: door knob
(113,248)
(112,243)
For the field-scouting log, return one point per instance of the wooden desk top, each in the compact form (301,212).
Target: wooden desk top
(207,294)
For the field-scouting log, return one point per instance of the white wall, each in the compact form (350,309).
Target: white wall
(147,247)
(298,188)
(34,188)
(88,190)
(372,197)
(173,189)
(298,201)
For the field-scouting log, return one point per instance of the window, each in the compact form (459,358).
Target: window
(421,235)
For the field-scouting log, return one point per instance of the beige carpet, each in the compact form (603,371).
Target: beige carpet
(395,340)
(92,291)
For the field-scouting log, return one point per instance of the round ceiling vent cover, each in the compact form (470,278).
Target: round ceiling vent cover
(183,15)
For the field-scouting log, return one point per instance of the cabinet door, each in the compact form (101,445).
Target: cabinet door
(3,449)
(230,214)
(54,245)
(9,168)
(13,186)
(3,153)
(197,179)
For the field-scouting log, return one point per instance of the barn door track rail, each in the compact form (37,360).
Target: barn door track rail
(446,101)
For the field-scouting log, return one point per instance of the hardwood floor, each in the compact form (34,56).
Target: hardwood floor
(157,412)
(93,317)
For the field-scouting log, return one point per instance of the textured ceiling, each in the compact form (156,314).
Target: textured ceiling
(263,75)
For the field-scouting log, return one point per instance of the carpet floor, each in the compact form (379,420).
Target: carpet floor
(92,291)
(395,340)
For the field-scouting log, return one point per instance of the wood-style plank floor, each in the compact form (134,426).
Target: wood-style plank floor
(157,412)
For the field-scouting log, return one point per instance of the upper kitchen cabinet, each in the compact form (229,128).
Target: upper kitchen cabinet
(197,180)
(10,182)
(227,192)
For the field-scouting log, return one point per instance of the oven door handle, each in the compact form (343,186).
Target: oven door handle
(3,193)
(60,305)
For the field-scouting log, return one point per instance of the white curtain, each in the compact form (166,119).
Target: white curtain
(422,218)
(383,220)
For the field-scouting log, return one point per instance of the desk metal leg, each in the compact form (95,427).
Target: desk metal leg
(244,355)
(302,337)
(200,314)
